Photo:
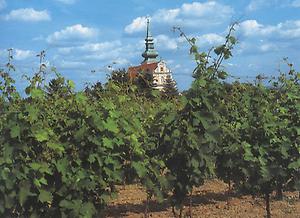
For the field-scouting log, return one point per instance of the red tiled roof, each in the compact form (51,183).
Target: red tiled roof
(135,70)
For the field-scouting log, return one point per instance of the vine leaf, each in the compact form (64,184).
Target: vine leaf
(111,125)
(56,146)
(41,135)
(139,168)
(88,210)
(24,192)
(45,196)
(15,131)
(37,93)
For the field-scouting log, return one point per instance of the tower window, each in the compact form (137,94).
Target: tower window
(161,69)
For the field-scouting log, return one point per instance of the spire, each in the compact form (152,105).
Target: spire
(150,54)
(148,28)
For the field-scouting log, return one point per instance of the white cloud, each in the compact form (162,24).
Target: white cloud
(268,47)
(68,2)
(268,38)
(177,66)
(253,28)
(2,4)
(28,14)
(166,16)
(232,64)
(164,42)
(110,51)
(170,61)
(23,54)
(296,4)
(38,38)
(92,47)
(138,24)
(255,5)
(100,47)
(289,29)
(188,15)
(71,64)
(286,30)
(210,39)
(198,9)
(255,47)
(121,61)
(3,54)
(71,33)
(18,54)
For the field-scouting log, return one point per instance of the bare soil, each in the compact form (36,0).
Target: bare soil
(209,201)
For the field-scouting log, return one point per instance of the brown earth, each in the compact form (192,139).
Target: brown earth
(209,201)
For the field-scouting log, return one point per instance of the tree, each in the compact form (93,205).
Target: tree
(94,91)
(170,89)
(119,76)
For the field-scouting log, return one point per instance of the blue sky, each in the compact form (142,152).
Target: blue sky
(80,36)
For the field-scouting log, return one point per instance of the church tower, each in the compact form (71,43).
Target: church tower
(161,74)
(150,54)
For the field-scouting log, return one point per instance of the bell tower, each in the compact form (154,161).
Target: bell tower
(150,54)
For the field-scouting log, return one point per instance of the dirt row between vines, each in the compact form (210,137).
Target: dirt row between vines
(211,200)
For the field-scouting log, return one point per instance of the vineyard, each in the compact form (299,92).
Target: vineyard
(63,153)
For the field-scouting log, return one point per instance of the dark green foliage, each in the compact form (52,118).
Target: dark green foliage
(170,89)
(188,142)
(62,152)
(119,76)
(95,91)
(144,84)
(259,150)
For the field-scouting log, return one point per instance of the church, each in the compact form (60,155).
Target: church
(161,74)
